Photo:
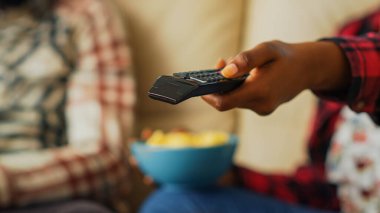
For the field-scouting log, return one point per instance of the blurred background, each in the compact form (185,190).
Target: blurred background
(168,36)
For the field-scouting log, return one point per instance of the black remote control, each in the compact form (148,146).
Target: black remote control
(183,85)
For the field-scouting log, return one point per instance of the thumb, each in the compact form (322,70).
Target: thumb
(245,61)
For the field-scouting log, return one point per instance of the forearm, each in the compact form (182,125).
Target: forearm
(61,174)
(328,66)
(363,65)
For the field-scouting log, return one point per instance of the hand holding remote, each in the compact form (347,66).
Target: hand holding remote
(279,72)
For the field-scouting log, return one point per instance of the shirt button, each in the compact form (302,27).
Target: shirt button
(360,105)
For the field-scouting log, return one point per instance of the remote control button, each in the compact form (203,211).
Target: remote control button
(183,75)
(202,76)
(198,79)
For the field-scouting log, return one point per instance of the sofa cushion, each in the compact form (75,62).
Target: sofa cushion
(171,36)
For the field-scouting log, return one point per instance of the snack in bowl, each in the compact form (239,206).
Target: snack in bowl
(183,159)
(180,139)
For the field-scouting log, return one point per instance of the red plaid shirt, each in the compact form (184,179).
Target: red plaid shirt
(360,43)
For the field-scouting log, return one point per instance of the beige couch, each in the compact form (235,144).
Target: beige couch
(177,35)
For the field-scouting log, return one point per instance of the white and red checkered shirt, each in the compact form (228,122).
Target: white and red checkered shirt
(66,98)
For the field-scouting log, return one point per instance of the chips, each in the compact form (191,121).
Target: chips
(186,139)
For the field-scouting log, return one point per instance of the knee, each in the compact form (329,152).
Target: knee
(162,201)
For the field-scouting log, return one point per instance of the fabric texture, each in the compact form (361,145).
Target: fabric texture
(353,162)
(66,104)
(309,185)
(216,200)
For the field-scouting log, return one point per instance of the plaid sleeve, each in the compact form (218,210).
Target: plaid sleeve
(363,55)
(359,40)
(98,113)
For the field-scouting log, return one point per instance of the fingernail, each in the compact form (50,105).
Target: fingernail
(230,71)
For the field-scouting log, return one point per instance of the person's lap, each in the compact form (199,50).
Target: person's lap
(216,200)
(73,206)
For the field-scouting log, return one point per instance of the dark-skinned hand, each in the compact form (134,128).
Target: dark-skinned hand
(280,71)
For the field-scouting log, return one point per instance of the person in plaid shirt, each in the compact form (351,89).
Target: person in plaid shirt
(66,101)
(342,71)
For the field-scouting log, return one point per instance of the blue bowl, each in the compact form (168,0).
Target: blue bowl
(185,167)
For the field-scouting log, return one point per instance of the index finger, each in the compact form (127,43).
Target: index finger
(239,97)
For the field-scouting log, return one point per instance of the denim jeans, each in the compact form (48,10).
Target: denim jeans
(216,200)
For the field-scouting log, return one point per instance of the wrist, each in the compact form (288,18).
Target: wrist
(330,68)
